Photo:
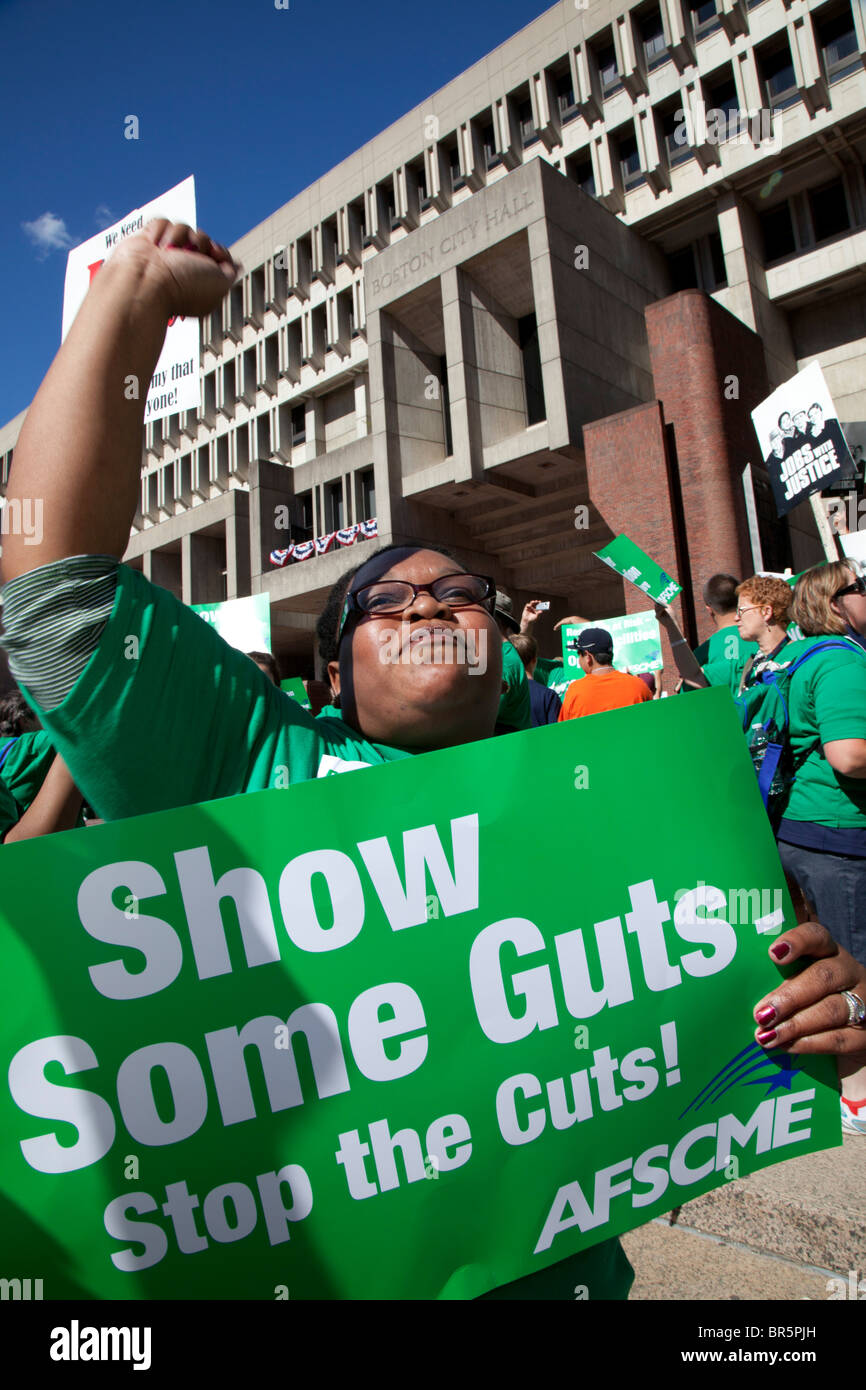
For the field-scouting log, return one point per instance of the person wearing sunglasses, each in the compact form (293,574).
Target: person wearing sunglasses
(177,717)
(849,604)
(822,837)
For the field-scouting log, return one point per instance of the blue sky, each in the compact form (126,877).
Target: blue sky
(230,92)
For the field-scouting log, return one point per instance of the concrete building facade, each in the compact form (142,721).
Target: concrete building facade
(534,312)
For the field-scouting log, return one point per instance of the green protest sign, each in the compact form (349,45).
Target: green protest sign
(637,643)
(244,623)
(295,687)
(636,566)
(324,1043)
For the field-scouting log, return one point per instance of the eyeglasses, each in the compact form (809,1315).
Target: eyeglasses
(754,609)
(858,587)
(387,597)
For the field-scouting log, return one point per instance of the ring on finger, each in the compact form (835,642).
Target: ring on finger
(856,1008)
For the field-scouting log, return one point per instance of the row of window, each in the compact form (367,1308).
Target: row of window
(837,42)
(205,472)
(833,26)
(501,138)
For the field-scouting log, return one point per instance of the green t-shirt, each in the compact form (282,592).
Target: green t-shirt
(827,701)
(723,656)
(554,675)
(177,717)
(9,813)
(26,765)
(514,707)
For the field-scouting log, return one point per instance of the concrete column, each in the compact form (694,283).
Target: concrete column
(466,441)
(746,294)
(238,552)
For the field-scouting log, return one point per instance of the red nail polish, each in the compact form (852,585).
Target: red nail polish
(780,950)
(766,1015)
(766,1037)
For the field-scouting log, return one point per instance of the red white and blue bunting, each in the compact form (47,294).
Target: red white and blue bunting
(304,550)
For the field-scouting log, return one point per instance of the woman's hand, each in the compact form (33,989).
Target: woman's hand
(190,272)
(807,1013)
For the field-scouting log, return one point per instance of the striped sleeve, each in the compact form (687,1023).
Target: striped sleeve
(53,618)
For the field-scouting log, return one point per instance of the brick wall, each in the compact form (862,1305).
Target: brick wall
(627,472)
(709,373)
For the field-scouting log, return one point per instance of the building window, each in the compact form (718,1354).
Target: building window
(299,425)
(717,260)
(492,156)
(837,41)
(721,95)
(367,494)
(565,97)
(607,70)
(629,161)
(675,135)
(532,375)
(705,17)
(446,405)
(684,273)
(652,33)
(389,210)
(423,194)
(581,171)
(304,532)
(528,132)
(457,179)
(829,210)
(334,508)
(777,229)
(777,73)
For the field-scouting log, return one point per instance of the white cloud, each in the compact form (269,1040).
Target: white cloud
(103,217)
(48,233)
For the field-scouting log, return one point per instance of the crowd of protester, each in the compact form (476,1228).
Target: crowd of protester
(191,719)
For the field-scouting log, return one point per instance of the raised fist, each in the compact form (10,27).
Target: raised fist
(191,272)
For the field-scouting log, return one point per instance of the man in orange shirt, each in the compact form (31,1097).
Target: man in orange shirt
(607,688)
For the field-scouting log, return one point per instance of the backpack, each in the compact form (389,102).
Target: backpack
(763,710)
(4,753)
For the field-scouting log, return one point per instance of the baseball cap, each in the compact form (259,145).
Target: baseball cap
(595,640)
(504,611)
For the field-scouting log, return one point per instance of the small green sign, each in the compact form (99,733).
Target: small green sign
(636,566)
(295,687)
(637,643)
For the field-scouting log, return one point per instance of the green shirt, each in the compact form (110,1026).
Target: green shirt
(9,813)
(554,675)
(723,656)
(25,766)
(175,717)
(514,707)
(827,701)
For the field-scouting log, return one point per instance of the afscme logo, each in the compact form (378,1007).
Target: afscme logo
(76,1343)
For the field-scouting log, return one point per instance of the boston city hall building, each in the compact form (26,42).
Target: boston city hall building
(533,313)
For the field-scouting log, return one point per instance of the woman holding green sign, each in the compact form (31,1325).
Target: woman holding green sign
(152,710)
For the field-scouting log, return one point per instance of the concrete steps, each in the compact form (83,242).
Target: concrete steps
(783,1233)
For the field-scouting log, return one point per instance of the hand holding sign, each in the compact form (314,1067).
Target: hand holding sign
(801,1016)
(191,284)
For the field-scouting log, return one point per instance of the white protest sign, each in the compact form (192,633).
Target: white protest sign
(175,383)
